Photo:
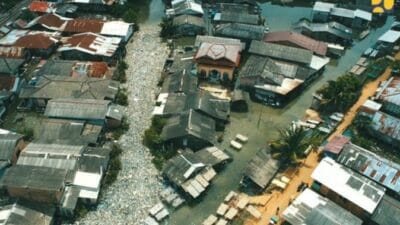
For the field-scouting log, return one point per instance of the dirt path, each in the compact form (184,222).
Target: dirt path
(303,174)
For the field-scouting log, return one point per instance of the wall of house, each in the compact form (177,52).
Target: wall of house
(18,148)
(226,73)
(344,203)
(189,30)
(42,196)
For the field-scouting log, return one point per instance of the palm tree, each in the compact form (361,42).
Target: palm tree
(290,146)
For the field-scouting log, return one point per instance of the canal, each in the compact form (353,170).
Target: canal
(261,123)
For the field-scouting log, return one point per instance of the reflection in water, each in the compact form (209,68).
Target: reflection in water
(278,18)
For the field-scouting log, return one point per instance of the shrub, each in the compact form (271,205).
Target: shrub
(122,98)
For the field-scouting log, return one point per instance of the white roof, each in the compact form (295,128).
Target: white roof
(309,201)
(116,28)
(363,14)
(105,46)
(372,105)
(89,194)
(323,6)
(390,36)
(348,184)
(85,179)
(318,63)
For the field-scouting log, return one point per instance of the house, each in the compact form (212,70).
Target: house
(276,73)
(189,130)
(27,213)
(70,26)
(69,132)
(311,208)
(32,183)
(203,103)
(333,32)
(10,69)
(44,88)
(92,47)
(52,156)
(192,172)
(180,82)
(385,127)
(93,5)
(217,40)
(350,190)
(335,146)
(239,8)
(294,39)
(233,17)
(13,52)
(11,144)
(37,43)
(376,168)
(387,41)
(42,7)
(185,8)
(388,95)
(324,12)
(188,25)
(95,160)
(321,11)
(88,185)
(73,68)
(387,212)
(243,32)
(217,62)
(260,171)
(93,111)
(269,81)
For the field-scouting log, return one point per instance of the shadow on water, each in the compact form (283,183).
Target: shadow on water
(260,123)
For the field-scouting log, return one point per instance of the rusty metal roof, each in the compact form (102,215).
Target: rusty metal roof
(389,92)
(81,26)
(299,40)
(336,144)
(379,169)
(386,124)
(44,7)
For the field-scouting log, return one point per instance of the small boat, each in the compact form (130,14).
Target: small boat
(236,145)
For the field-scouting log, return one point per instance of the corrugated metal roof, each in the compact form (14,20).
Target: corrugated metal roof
(281,52)
(30,39)
(188,19)
(57,163)
(40,6)
(12,52)
(232,17)
(24,213)
(386,125)
(8,143)
(91,43)
(262,168)
(240,31)
(389,92)
(83,109)
(217,40)
(332,28)
(34,177)
(387,212)
(299,40)
(190,123)
(390,36)
(352,186)
(49,87)
(379,169)
(312,209)
(54,149)
(336,144)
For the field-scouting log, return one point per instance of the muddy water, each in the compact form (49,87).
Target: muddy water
(261,123)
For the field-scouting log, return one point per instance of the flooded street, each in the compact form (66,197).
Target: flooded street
(261,123)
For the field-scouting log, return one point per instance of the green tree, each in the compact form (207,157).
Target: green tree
(130,16)
(167,28)
(290,145)
(340,94)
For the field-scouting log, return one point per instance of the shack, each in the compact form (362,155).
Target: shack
(189,130)
(259,172)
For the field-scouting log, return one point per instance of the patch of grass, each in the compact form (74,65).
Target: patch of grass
(114,167)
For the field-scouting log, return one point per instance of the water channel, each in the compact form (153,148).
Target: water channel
(261,122)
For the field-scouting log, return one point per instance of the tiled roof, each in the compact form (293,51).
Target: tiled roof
(219,51)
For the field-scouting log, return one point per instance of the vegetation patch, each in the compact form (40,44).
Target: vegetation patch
(341,94)
(152,140)
(114,166)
